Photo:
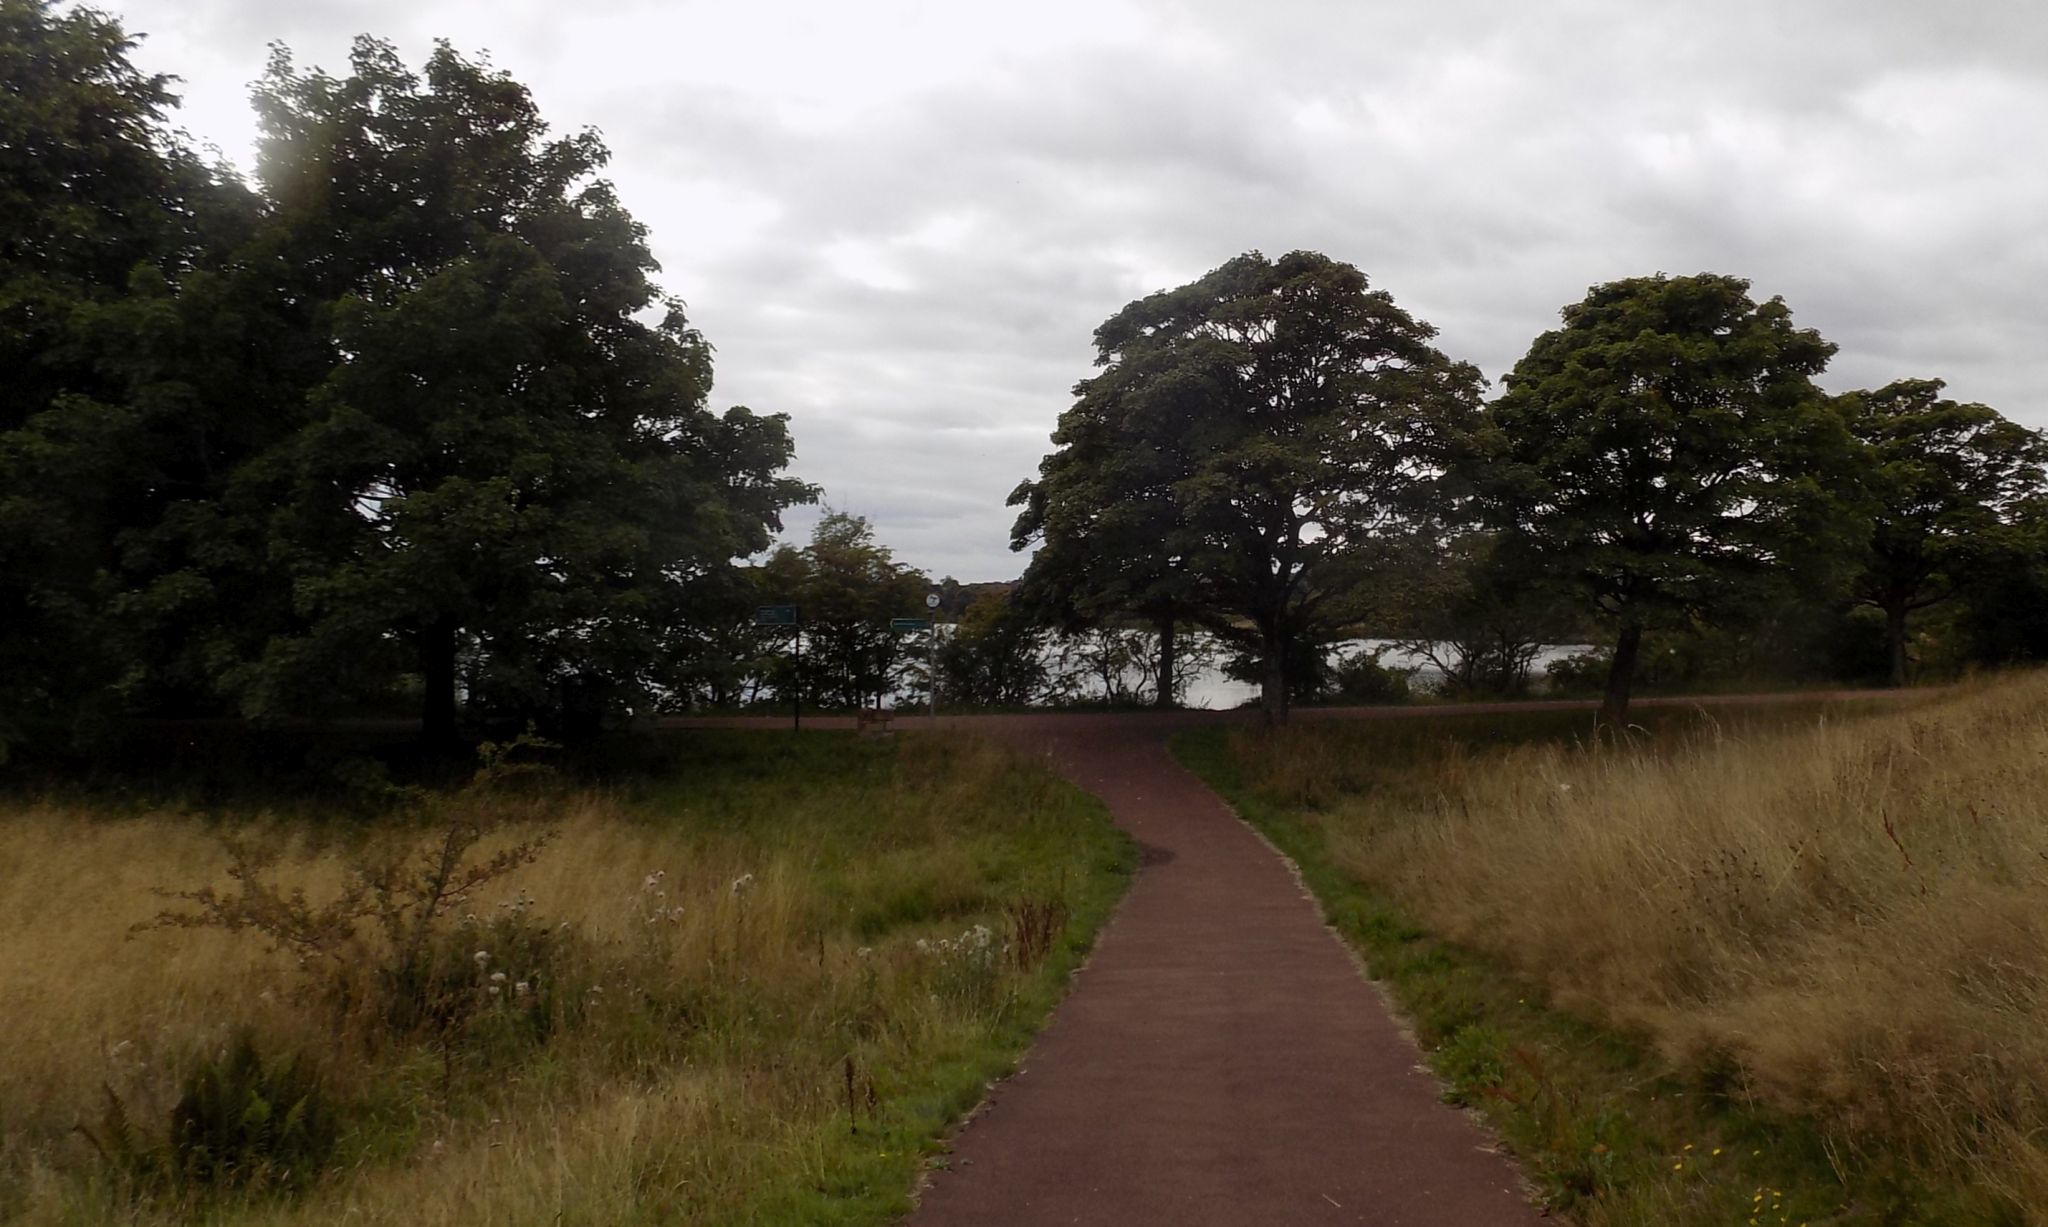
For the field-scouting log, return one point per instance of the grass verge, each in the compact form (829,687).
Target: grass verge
(754,986)
(1440,848)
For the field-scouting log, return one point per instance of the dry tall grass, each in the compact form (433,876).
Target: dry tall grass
(746,942)
(1845,916)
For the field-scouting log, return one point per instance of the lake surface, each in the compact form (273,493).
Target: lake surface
(1214,690)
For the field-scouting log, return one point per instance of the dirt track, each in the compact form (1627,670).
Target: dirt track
(1221,1059)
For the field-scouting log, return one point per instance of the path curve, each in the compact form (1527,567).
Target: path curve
(1221,1060)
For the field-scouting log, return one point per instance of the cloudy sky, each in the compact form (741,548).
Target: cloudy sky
(899,222)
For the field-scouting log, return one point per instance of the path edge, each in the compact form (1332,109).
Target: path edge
(1403,1024)
(994,1086)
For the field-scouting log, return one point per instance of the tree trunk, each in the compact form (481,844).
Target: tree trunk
(1273,690)
(437,675)
(1621,675)
(1106,669)
(1169,653)
(1895,639)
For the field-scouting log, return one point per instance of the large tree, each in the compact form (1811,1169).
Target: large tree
(506,470)
(1944,479)
(2006,608)
(94,185)
(1667,454)
(1266,432)
(1102,509)
(105,220)
(402,411)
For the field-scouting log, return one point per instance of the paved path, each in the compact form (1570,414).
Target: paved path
(1221,1060)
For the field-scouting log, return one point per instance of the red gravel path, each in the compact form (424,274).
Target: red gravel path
(1221,1060)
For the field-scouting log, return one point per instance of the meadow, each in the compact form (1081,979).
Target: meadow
(754,986)
(1781,964)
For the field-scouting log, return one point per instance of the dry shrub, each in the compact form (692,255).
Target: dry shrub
(1851,914)
(711,975)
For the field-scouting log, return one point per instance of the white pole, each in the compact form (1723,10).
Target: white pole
(931,654)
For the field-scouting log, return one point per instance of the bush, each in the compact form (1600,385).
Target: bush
(1585,673)
(242,1123)
(965,970)
(1363,679)
(1474,1061)
(388,935)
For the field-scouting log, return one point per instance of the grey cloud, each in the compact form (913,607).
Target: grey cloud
(914,276)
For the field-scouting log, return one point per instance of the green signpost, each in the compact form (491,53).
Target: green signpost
(931,649)
(785,615)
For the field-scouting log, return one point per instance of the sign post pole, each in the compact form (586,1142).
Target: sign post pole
(785,615)
(931,658)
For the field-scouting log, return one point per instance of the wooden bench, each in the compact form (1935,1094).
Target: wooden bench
(873,721)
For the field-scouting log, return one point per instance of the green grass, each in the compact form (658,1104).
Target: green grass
(1605,1133)
(697,1071)
(876,879)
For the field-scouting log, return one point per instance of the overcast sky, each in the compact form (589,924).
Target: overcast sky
(900,222)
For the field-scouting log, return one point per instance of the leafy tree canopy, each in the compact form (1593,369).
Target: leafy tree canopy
(414,408)
(1667,453)
(102,210)
(1256,439)
(847,587)
(995,657)
(1943,480)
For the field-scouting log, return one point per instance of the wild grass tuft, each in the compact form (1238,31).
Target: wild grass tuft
(1835,919)
(639,1005)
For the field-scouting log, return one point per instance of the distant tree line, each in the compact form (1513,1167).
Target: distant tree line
(988,650)
(1277,454)
(404,424)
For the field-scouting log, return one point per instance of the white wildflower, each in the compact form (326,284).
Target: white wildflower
(481,957)
(741,883)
